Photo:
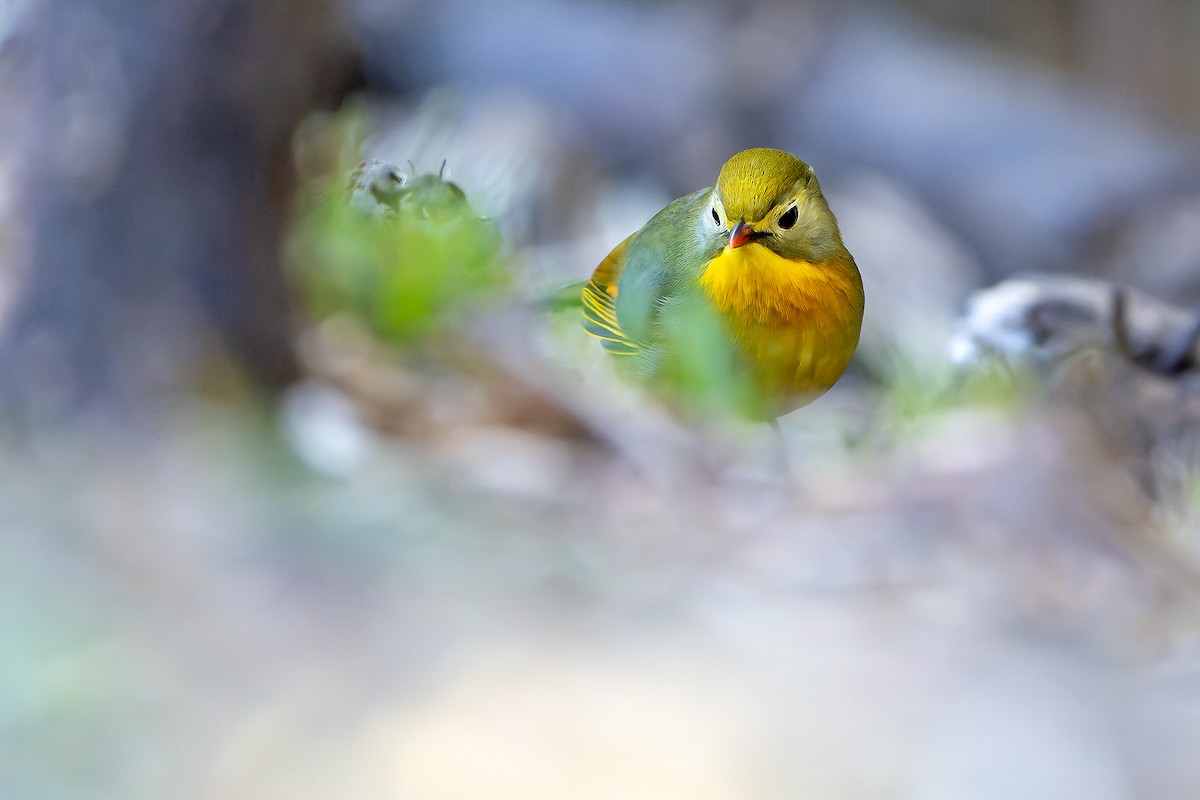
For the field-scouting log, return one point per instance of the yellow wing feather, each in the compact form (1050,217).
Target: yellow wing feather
(600,304)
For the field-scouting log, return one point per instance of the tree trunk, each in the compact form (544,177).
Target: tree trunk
(157,192)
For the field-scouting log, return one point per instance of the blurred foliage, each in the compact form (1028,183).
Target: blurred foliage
(699,369)
(913,394)
(403,254)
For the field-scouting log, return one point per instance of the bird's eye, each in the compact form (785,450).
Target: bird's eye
(716,216)
(788,218)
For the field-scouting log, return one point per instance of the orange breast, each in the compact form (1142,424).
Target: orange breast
(796,323)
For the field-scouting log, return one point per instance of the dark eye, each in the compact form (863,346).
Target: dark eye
(716,216)
(788,218)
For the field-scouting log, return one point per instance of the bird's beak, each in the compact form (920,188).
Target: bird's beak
(741,234)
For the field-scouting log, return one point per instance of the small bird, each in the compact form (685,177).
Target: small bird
(740,294)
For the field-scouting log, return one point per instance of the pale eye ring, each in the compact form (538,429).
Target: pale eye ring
(789,218)
(716,217)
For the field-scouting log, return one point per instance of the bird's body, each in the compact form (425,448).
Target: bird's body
(744,282)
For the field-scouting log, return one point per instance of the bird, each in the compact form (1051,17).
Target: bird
(740,296)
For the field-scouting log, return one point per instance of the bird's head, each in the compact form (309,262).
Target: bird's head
(772,198)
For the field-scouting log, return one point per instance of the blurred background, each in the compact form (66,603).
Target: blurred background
(303,492)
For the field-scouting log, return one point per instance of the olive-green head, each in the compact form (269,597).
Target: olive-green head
(772,197)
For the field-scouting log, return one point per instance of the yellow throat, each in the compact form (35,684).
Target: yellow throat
(796,323)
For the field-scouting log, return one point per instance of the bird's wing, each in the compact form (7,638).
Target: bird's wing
(600,303)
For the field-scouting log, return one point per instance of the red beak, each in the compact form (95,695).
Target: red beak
(741,234)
